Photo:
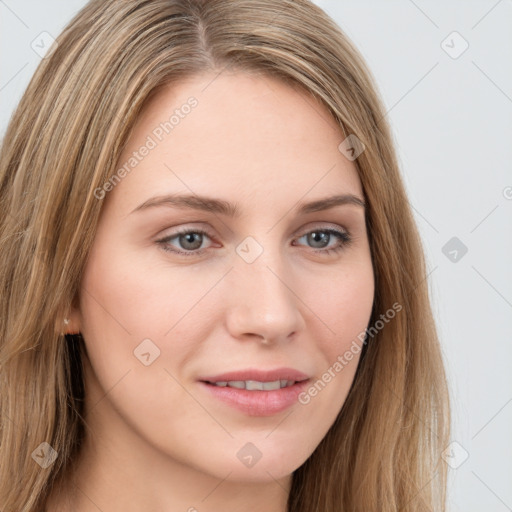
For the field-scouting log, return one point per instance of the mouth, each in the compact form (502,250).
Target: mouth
(257,392)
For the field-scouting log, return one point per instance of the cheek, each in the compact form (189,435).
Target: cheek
(135,294)
(128,298)
(132,313)
(343,302)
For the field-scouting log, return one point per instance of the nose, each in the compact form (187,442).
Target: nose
(262,304)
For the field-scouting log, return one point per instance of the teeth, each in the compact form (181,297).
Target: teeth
(269,386)
(239,384)
(254,385)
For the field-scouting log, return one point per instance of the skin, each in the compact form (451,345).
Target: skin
(156,440)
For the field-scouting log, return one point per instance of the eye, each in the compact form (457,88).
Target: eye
(320,238)
(189,239)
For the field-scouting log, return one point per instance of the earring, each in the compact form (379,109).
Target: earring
(67,322)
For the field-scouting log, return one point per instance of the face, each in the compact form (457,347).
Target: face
(181,296)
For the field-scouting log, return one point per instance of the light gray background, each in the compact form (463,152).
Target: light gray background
(452,121)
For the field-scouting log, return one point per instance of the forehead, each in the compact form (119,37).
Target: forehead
(237,133)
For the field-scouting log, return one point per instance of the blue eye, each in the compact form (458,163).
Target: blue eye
(323,236)
(191,241)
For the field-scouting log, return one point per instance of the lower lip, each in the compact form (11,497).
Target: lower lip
(257,403)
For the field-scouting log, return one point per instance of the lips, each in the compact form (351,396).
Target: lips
(257,392)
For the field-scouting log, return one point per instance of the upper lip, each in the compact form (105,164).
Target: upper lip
(258,375)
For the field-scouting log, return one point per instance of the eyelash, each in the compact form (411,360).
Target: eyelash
(344,241)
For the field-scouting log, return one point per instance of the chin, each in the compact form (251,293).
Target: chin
(272,464)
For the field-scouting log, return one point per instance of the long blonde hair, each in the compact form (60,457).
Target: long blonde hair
(384,450)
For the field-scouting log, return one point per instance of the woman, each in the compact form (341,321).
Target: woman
(213,289)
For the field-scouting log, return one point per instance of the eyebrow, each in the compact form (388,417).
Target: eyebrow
(220,206)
